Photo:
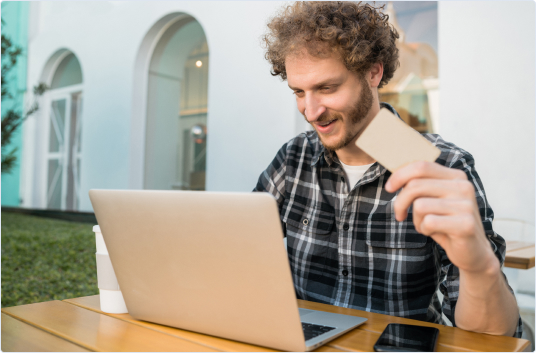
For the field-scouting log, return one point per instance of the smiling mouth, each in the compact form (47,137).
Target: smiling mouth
(326,123)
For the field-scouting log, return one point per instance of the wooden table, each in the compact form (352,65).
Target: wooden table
(519,254)
(79,325)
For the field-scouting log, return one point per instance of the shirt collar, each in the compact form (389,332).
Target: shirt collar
(330,156)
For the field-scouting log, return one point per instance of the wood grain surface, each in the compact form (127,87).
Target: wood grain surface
(360,339)
(18,336)
(93,303)
(520,258)
(76,323)
(98,332)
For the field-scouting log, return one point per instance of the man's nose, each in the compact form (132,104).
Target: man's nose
(313,109)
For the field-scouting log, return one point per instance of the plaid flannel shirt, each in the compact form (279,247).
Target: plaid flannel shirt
(344,245)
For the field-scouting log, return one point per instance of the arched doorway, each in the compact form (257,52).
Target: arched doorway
(177,106)
(63,134)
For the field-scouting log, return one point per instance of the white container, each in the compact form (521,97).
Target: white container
(111,298)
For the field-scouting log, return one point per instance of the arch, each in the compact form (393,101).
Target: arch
(67,73)
(162,43)
(47,74)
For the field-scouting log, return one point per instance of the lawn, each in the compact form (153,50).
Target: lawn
(46,259)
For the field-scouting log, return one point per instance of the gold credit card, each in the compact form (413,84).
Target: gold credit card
(393,143)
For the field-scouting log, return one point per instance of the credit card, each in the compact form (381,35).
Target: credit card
(393,143)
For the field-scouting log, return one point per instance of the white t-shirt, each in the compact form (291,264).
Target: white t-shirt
(354,173)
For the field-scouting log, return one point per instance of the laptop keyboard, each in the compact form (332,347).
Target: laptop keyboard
(312,330)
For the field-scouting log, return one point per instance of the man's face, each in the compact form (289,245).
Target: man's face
(335,101)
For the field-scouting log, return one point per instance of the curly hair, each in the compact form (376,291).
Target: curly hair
(359,33)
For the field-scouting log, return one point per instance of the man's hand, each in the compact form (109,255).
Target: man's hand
(444,208)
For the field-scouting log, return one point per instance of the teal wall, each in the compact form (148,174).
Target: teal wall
(15,17)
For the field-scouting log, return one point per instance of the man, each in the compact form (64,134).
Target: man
(358,236)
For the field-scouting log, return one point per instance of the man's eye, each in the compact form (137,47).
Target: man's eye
(297,93)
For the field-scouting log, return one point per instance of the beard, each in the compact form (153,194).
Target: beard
(356,115)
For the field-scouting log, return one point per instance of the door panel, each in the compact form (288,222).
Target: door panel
(64,152)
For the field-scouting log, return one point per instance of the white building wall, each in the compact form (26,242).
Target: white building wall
(251,114)
(487,106)
(487,89)
(486,67)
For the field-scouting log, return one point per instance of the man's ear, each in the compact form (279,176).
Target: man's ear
(376,74)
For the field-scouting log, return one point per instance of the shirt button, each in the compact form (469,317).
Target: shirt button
(345,226)
(345,273)
(305,221)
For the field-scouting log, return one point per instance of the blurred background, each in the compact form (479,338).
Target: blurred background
(176,95)
(166,95)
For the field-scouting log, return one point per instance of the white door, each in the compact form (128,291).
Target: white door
(63,152)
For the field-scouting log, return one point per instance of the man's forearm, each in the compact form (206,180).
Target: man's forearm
(485,304)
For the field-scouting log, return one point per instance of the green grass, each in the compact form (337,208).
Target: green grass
(45,259)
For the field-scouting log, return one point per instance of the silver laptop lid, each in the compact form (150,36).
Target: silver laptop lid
(203,261)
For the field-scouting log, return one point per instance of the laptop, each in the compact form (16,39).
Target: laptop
(210,262)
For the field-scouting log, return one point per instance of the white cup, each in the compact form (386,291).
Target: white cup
(111,298)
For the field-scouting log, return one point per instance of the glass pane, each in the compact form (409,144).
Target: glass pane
(57,123)
(200,155)
(186,159)
(68,73)
(77,184)
(192,160)
(79,122)
(54,183)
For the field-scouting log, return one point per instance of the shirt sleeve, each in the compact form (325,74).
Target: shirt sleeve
(272,179)
(451,285)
